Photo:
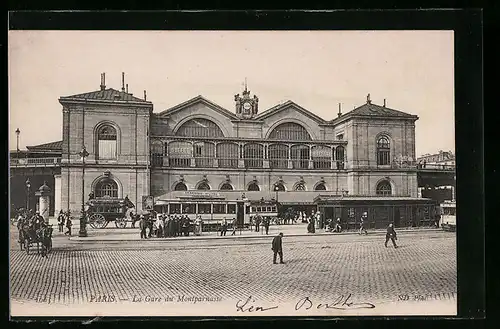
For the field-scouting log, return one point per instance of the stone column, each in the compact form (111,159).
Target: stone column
(44,197)
(57,194)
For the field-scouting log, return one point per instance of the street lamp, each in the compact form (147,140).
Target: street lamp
(83,219)
(28,188)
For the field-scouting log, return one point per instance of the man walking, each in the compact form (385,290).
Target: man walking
(362,224)
(223,227)
(277,248)
(391,234)
(266,225)
(142,226)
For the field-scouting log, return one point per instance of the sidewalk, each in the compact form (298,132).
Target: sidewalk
(131,234)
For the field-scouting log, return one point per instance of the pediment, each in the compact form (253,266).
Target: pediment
(293,109)
(197,102)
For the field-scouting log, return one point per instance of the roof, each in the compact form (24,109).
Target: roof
(109,94)
(373,110)
(286,105)
(52,146)
(194,100)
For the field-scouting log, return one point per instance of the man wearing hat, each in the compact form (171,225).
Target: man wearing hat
(277,248)
(142,226)
(391,234)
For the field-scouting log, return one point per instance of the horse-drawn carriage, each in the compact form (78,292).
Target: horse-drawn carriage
(101,211)
(31,234)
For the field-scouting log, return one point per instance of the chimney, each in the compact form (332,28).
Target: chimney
(384,102)
(126,90)
(340,110)
(123,81)
(368,100)
(145,95)
(103,81)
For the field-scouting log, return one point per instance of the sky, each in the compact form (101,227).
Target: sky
(412,70)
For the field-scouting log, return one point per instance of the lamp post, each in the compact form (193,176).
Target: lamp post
(28,188)
(83,219)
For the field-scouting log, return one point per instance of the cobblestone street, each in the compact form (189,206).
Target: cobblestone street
(318,267)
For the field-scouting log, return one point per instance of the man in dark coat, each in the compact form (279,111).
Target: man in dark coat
(391,234)
(266,224)
(278,248)
(142,226)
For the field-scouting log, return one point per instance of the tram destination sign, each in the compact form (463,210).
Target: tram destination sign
(201,195)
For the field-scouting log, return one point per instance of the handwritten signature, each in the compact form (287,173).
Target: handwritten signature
(343,302)
(247,306)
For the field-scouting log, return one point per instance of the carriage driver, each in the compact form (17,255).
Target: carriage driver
(39,221)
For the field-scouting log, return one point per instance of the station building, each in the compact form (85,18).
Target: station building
(284,152)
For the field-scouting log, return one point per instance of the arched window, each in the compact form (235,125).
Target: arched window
(321,156)
(253,187)
(320,187)
(203,186)
(290,131)
(300,156)
(199,128)
(299,187)
(253,155)
(279,187)
(340,157)
(278,156)
(180,154)
(180,187)
(384,188)
(204,154)
(106,188)
(383,151)
(226,187)
(227,155)
(107,140)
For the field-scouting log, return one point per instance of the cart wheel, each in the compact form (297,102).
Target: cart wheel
(97,221)
(120,223)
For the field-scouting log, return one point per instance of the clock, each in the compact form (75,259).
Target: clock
(247,106)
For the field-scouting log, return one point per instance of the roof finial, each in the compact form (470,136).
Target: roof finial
(340,110)
(123,81)
(368,100)
(384,102)
(245,84)
(126,88)
(144,95)
(103,81)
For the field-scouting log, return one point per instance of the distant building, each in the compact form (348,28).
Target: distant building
(442,158)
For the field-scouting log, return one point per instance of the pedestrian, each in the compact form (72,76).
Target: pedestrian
(266,225)
(68,226)
(338,226)
(257,222)
(277,248)
(60,221)
(142,226)
(168,227)
(159,226)
(132,218)
(391,234)
(234,226)
(362,224)
(223,227)
(150,224)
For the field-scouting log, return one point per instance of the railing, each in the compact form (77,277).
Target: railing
(35,162)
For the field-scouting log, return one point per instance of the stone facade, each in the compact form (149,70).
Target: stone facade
(349,144)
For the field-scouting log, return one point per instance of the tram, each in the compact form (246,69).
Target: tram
(448,215)
(212,210)
(264,208)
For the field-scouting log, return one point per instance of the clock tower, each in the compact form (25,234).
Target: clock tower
(246,106)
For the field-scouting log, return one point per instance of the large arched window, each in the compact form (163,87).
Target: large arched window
(321,156)
(203,186)
(384,188)
(300,156)
(199,128)
(204,154)
(227,155)
(383,151)
(106,188)
(320,187)
(253,187)
(290,131)
(107,140)
(253,155)
(278,156)
(180,187)
(180,154)
(226,187)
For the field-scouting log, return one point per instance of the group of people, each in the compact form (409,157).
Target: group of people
(64,219)
(162,225)
(259,220)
